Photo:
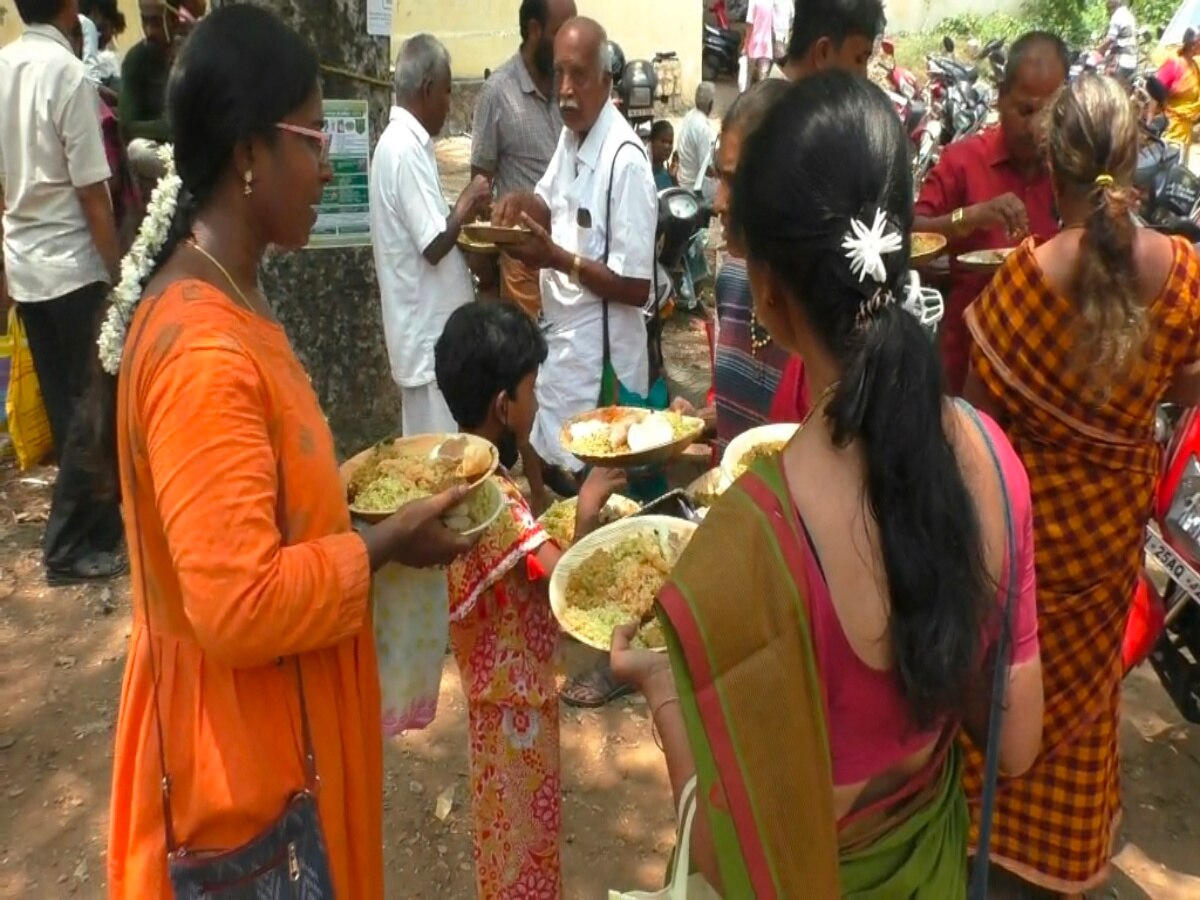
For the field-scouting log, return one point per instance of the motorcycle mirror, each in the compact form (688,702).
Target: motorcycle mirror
(948,44)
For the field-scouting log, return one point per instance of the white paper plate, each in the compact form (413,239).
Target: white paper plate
(604,538)
(748,440)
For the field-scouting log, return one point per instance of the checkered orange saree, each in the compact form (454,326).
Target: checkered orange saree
(1092,469)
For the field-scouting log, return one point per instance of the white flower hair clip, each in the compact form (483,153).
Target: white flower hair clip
(866,247)
(925,304)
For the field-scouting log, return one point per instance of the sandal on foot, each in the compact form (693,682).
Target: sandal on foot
(99,565)
(594,689)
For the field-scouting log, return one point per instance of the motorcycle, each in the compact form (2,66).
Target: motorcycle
(720,47)
(681,238)
(1164,626)
(920,117)
(1169,190)
(634,85)
(963,103)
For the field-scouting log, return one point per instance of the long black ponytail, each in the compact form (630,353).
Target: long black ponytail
(830,152)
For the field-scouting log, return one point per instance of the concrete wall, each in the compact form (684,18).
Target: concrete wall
(481,34)
(10,23)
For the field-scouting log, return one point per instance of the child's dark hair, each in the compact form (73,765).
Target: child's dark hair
(485,348)
(659,128)
(830,152)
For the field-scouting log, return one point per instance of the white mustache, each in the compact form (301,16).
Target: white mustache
(565,105)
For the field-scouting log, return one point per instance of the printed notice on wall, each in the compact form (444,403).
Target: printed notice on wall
(343,216)
(379,18)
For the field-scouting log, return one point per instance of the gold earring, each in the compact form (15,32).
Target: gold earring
(248,178)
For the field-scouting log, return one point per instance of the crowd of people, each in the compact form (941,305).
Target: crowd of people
(947,505)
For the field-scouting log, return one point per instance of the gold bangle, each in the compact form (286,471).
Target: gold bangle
(576,267)
(956,217)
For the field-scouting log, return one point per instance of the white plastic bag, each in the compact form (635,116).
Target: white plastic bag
(743,73)
(682,886)
(412,626)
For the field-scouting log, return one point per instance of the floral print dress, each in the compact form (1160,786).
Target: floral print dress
(505,640)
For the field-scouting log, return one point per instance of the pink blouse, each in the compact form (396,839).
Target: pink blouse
(869,726)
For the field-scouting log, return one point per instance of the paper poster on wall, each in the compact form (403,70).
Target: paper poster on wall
(343,215)
(379,18)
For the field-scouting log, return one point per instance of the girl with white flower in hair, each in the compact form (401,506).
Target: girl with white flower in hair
(252,639)
(829,623)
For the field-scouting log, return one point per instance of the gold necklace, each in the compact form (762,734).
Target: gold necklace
(220,268)
(820,404)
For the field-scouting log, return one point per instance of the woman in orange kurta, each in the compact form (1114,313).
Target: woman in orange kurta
(240,541)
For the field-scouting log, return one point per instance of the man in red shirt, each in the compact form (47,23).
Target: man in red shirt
(992,190)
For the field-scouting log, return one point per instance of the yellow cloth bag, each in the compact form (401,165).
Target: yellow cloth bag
(28,425)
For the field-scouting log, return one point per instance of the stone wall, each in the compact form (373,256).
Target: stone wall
(462,106)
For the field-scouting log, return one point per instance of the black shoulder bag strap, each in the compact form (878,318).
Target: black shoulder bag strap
(608,240)
(991,765)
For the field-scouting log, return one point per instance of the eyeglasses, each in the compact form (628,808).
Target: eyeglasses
(320,137)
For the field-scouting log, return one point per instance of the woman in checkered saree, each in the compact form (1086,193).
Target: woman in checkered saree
(1076,343)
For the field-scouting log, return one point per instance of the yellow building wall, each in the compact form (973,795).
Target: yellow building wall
(482,34)
(10,23)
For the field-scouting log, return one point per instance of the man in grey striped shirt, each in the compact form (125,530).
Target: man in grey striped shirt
(517,126)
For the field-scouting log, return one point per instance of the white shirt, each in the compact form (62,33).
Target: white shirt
(1122,31)
(694,144)
(785,12)
(576,189)
(50,146)
(408,210)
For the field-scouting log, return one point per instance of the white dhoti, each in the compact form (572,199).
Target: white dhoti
(569,381)
(423,410)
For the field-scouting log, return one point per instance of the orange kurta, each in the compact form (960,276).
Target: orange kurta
(240,541)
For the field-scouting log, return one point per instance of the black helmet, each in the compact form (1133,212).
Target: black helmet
(616,57)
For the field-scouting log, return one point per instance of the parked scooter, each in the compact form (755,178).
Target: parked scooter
(920,117)
(681,239)
(1165,626)
(1170,191)
(721,46)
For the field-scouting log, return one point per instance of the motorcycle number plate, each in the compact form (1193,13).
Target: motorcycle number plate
(1183,574)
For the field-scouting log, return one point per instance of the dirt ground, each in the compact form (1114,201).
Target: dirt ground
(60,675)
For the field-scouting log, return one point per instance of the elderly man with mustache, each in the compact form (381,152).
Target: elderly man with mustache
(593,217)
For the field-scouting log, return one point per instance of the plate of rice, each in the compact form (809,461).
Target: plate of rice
(559,519)
(925,246)
(383,478)
(626,437)
(750,446)
(984,260)
(612,577)
(708,487)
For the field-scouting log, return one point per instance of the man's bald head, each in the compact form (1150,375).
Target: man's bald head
(582,70)
(1036,71)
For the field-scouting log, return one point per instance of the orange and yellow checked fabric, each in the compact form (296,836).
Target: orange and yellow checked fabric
(1092,469)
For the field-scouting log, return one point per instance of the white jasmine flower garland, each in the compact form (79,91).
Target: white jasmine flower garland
(137,264)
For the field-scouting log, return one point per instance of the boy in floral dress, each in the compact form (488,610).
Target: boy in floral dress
(502,631)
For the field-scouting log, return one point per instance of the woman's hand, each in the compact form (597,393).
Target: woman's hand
(415,536)
(646,670)
(707,415)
